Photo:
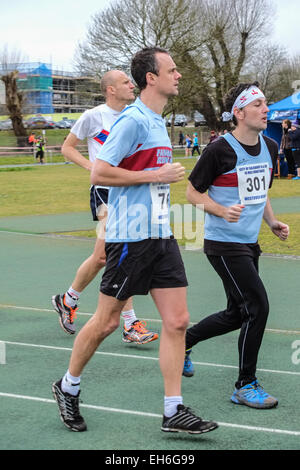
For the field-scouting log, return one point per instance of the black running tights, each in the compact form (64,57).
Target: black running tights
(247,310)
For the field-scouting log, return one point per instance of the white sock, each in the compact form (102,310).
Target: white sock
(171,403)
(72,297)
(70,384)
(129,317)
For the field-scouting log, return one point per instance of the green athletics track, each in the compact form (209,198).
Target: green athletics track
(122,389)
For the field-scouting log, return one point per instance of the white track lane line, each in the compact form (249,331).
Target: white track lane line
(149,358)
(154,415)
(154,320)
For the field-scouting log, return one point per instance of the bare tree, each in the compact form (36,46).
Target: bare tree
(276,71)
(286,78)
(14,104)
(120,30)
(14,98)
(212,42)
(267,67)
(233,31)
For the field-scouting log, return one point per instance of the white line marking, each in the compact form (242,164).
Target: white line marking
(2,352)
(153,415)
(47,235)
(154,320)
(148,358)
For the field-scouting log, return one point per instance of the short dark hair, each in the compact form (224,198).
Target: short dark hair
(144,61)
(232,95)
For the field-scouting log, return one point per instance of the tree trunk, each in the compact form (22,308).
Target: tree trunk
(14,102)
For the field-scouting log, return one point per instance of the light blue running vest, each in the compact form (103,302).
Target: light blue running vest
(225,191)
(142,211)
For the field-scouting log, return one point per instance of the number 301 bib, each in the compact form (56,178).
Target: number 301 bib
(253,183)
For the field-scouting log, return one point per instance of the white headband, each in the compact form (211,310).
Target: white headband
(246,97)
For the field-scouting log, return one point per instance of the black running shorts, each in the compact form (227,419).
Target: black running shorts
(136,267)
(98,196)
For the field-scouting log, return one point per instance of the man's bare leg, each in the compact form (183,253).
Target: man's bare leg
(89,269)
(92,265)
(66,391)
(104,321)
(172,306)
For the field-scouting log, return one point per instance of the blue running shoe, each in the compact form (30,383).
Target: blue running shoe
(253,395)
(188,368)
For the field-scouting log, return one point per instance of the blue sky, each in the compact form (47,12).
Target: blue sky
(49,31)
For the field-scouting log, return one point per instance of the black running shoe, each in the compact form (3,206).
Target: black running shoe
(186,421)
(68,408)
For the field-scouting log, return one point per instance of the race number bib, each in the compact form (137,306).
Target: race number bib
(253,181)
(160,197)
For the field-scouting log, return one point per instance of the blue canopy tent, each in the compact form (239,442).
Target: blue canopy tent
(288,108)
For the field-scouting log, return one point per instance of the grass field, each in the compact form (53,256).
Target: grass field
(53,137)
(54,116)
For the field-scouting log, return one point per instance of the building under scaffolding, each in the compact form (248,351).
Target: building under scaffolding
(73,93)
(49,91)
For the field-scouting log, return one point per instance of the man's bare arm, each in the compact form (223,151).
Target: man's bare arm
(231,214)
(70,151)
(107,175)
(279,229)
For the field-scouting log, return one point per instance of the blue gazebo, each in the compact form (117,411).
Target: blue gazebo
(288,108)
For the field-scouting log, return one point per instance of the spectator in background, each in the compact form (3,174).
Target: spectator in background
(286,147)
(188,146)
(40,145)
(181,139)
(195,144)
(213,136)
(294,134)
(32,141)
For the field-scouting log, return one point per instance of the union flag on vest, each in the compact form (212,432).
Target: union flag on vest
(101,137)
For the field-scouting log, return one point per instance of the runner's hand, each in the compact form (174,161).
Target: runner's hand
(171,173)
(233,213)
(280,230)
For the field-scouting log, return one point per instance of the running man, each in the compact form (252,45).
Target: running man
(236,170)
(95,125)
(142,255)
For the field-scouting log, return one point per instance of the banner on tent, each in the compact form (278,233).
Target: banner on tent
(281,115)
